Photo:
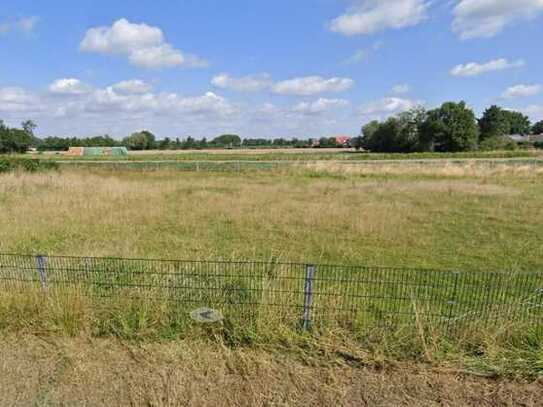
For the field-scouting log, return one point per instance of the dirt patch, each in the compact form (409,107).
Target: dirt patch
(78,371)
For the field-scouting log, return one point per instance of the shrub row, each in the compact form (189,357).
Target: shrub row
(26,164)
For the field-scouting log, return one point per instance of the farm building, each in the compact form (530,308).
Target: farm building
(343,141)
(97,151)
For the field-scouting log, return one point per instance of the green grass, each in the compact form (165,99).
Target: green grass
(470,217)
(294,155)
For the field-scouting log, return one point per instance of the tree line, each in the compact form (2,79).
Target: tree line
(452,127)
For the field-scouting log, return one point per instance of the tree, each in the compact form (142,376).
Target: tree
(452,127)
(497,122)
(28,127)
(369,129)
(398,134)
(538,128)
(494,123)
(143,140)
(227,140)
(518,122)
(14,140)
(385,138)
(410,125)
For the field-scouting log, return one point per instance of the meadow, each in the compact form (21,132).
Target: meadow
(471,216)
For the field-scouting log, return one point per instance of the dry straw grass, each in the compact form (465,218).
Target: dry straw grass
(398,215)
(468,168)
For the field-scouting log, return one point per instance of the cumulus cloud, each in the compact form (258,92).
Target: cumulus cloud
(401,89)
(312,85)
(486,18)
(16,99)
(388,106)
(249,83)
(371,16)
(144,45)
(474,68)
(69,86)
(319,106)
(518,91)
(133,86)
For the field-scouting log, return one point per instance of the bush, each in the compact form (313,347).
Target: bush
(497,143)
(5,165)
(26,164)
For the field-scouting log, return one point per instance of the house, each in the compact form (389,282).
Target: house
(343,141)
(530,138)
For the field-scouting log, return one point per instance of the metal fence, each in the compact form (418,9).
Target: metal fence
(356,298)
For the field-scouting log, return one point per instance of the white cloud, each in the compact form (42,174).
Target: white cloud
(69,86)
(311,85)
(111,100)
(371,16)
(401,88)
(486,18)
(133,86)
(535,112)
(521,91)
(249,83)
(474,68)
(15,99)
(163,55)
(388,106)
(144,45)
(319,106)
(24,24)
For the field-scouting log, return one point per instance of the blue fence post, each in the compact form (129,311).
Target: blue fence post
(41,263)
(308,295)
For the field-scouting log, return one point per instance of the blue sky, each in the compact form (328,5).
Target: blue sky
(261,69)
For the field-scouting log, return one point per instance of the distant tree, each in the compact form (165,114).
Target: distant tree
(143,140)
(410,124)
(518,123)
(497,122)
(29,126)
(357,142)
(538,128)
(369,129)
(164,144)
(400,134)
(14,140)
(227,140)
(493,123)
(452,127)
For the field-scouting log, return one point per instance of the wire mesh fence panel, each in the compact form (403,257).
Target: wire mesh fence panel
(354,298)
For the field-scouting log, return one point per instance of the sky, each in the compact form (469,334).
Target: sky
(282,68)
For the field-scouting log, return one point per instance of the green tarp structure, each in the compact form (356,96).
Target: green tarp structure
(99,151)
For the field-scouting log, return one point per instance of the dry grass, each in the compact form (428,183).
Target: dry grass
(468,217)
(416,216)
(78,371)
(469,168)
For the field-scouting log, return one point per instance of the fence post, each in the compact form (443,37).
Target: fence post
(452,300)
(308,295)
(41,263)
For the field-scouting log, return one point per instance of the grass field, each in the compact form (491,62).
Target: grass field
(293,154)
(471,216)
(454,216)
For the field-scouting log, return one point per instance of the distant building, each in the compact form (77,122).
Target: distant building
(343,141)
(531,138)
(96,151)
